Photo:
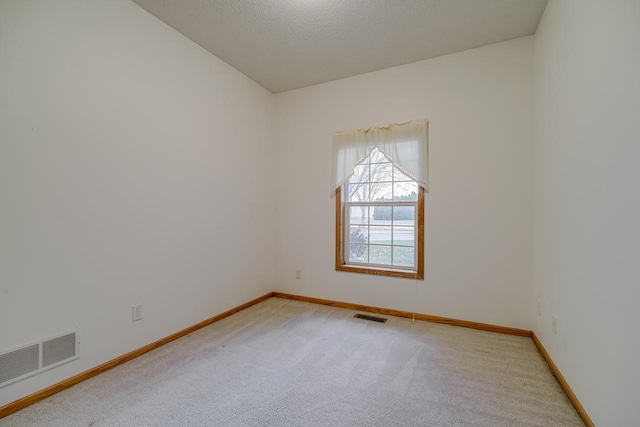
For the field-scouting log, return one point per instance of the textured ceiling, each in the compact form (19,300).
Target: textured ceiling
(288,44)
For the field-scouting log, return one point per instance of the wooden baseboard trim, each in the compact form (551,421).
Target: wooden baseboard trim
(410,315)
(456,322)
(563,383)
(56,388)
(63,385)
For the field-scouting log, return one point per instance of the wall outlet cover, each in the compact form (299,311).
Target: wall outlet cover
(136,312)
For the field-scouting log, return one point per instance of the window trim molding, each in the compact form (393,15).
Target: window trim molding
(342,266)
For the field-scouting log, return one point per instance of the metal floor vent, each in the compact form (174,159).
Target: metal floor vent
(30,359)
(372,318)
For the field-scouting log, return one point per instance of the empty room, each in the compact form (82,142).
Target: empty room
(319,212)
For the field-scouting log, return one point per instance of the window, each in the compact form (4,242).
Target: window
(379,177)
(380,220)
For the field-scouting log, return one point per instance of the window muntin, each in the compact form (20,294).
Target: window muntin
(380,220)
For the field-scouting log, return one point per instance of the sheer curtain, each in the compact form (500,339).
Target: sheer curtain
(404,144)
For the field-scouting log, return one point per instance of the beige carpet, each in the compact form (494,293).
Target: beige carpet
(289,363)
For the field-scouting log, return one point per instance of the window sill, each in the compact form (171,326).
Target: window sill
(380,271)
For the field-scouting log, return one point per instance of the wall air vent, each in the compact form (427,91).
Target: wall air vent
(18,363)
(372,318)
(30,359)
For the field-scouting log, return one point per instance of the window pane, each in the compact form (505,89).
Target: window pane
(380,254)
(358,192)
(381,172)
(358,215)
(360,173)
(381,215)
(405,191)
(404,236)
(358,253)
(380,235)
(404,215)
(381,191)
(358,234)
(404,256)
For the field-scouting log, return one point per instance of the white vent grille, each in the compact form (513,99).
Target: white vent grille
(58,350)
(33,358)
(19,362)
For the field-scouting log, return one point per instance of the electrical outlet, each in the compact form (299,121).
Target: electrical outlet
(298,274)
(554,325)
(136,312)
(539,308)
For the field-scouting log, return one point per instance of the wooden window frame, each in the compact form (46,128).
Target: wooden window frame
(341,265)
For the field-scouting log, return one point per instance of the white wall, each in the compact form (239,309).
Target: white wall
(587,200)
(132,165)
(478,214)
(137,168)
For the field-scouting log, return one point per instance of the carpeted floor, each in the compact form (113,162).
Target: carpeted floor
(289,363)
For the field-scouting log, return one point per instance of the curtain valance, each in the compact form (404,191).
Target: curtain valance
(404,144)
